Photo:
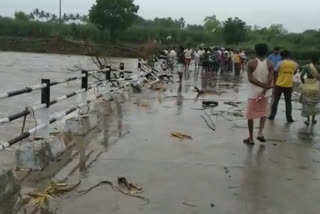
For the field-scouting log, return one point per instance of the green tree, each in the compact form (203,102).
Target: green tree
(234,31)
(164,22)
(212,24)
(113,15)
(72,17)
(195,27)
(65,18)
(277,30)
(84,19)
(47,16)
(42,15)
(77,16)
(36,13)
(21,16)
(74,31)
(54,18)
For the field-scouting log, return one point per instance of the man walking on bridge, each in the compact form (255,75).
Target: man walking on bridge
(275,57)
(285,71)
(181,62)
(260,75)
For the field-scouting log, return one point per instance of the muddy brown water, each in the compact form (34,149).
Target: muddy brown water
(19,70)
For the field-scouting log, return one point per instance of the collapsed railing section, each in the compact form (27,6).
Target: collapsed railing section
(156,75)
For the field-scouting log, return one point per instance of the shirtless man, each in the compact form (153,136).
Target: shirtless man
(260,75)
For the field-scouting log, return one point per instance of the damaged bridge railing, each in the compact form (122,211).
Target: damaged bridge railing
(42,151)
(112,76)
(117,78)
(45,152)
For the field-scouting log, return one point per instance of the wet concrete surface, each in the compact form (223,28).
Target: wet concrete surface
(214,169)
(213,173)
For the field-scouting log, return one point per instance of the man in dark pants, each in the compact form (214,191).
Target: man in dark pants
(285,71)
(181,62)
(237,63)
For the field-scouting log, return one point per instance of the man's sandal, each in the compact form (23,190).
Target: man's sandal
(248,142)
(261,139)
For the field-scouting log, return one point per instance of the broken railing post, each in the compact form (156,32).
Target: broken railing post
(38,156)
(10,191)
(139,65)
(118,99)
(84,85)
(104,108)
(121,70)
(122,66)
(84,81)
(44,113)
(108,73)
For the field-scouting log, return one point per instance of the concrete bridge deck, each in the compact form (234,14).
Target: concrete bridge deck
(213,173)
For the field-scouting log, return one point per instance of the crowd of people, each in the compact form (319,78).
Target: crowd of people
(273,75)
(215,59)
(270,76)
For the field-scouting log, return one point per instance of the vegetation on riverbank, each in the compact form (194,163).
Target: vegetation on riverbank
(95,28)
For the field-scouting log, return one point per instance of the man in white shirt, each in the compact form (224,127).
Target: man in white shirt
(171,59)
(172,55)
(197,57)
(188,58)
(243,59)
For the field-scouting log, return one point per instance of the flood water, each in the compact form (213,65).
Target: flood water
(19,70)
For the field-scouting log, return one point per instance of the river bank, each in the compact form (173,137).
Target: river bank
(70,47)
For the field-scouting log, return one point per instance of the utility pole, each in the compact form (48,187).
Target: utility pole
(60,20)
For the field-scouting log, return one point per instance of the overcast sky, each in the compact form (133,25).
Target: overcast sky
(296,15)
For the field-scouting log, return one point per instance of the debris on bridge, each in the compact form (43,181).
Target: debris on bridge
(180,135)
